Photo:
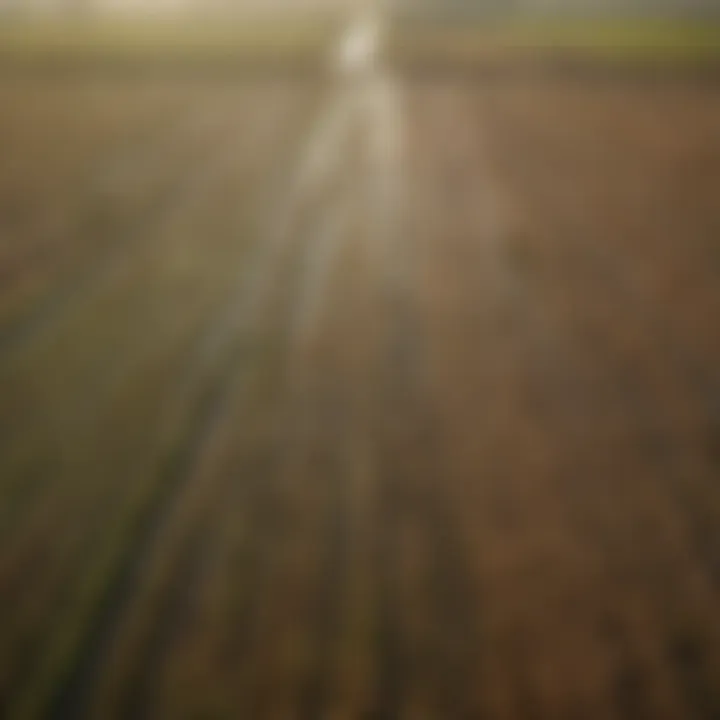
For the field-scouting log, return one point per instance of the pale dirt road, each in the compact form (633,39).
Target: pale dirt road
(374,396)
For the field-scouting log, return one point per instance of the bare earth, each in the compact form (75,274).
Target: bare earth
(395,396)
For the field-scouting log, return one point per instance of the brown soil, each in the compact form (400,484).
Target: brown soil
(269,453)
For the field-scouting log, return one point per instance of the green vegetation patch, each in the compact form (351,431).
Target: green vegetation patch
(304,38)
(651,40)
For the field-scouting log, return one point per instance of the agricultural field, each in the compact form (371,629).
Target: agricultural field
(358,381)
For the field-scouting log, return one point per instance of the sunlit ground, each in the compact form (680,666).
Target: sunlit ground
(359,363)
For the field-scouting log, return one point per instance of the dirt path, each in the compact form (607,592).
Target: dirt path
(353,144)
